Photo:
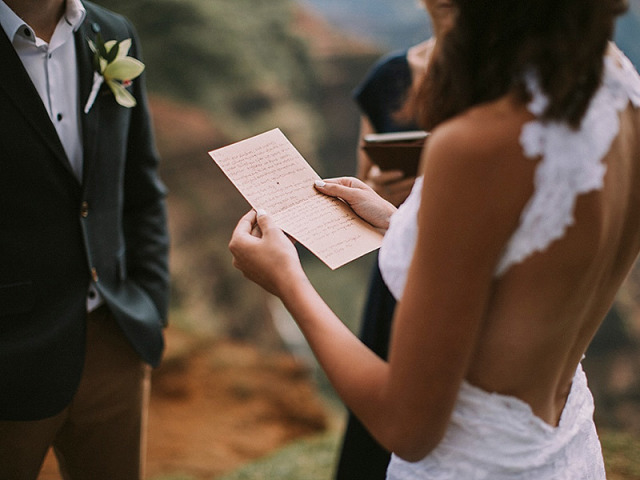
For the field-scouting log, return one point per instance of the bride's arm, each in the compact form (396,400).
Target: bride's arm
(466,215)
(271,261)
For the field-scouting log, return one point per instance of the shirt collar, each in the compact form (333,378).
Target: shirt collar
(11,23)
(74,14)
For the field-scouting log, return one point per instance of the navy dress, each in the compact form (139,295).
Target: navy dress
(379,97)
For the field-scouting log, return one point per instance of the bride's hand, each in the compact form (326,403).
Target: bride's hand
(265,255)
(364,201)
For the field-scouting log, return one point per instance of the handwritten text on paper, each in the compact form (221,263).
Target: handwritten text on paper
(271,174)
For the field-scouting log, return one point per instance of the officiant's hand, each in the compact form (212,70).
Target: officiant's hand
(364,201)
(392,185)
(265,255)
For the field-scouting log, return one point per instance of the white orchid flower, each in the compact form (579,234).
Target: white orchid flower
(116,69)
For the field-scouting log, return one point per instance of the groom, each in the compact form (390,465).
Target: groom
(83,247)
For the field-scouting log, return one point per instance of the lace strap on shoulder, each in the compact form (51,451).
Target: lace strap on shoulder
(570,160)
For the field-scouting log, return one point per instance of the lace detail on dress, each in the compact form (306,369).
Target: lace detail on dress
(497,437)
(570,165)
(571,160)
(399,242)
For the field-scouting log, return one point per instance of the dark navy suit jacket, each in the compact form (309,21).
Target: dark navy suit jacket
(56,233)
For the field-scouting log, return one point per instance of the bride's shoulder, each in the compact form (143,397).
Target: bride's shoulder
(489,124)
(475,172)
(485,137)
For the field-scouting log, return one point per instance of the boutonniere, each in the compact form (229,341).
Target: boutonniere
(112,66)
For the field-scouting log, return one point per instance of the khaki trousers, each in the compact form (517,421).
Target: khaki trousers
(101,434)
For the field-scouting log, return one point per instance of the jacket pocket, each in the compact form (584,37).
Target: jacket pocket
(16,298)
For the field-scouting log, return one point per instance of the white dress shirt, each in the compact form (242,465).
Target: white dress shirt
(53,70)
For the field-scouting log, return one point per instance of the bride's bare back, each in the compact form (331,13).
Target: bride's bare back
(543,313)
(539,316)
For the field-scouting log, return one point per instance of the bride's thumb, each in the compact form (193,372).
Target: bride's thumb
(264,219)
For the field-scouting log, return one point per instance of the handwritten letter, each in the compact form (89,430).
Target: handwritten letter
(271,174)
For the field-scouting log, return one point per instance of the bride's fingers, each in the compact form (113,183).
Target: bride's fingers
(349,194)
(351,182)
(264,221)
(246,223)
(242,234)
(267,225)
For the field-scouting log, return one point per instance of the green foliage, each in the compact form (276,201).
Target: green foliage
(176,476)
(310,459)
(620,450)
(237,58)
(314,459)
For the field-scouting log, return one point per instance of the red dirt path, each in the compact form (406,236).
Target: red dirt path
(217,404)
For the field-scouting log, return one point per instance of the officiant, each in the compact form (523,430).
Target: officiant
(381,97)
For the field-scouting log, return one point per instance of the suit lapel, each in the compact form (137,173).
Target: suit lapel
(89,121)
(16,83)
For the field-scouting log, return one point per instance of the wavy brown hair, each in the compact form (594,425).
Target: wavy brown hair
(493,43)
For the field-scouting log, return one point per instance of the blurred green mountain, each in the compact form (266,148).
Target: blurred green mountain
(219,71)
(237,58)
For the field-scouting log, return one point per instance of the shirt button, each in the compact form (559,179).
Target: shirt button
(84,209)
(94,274)
(27,32)
(59,117)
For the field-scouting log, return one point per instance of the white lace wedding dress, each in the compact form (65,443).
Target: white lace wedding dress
(497,437)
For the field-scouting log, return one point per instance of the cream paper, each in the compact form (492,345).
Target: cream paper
(272,175)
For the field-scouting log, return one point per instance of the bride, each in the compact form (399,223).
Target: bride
(505,257)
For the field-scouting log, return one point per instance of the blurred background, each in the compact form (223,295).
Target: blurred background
(238,395)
